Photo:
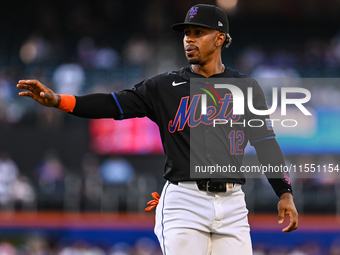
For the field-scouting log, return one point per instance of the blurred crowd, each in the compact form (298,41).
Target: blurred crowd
(314,58)
(311,247)
(40,245)
(89,50)
(145,246)
(16,190)
(95,66)
(108,185)
(115,184)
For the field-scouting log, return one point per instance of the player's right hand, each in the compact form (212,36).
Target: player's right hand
(39,92)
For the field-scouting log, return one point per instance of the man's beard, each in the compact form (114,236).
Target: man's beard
(193,61)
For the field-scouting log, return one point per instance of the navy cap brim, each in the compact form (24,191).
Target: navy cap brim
(179,27)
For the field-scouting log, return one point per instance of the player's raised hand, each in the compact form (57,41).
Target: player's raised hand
(39,92)
(286,206)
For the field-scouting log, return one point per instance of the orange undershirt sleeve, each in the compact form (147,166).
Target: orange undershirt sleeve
(67,103)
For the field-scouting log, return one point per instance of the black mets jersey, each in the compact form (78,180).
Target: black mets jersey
(190,138)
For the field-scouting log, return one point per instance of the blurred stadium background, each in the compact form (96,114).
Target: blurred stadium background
(75,186)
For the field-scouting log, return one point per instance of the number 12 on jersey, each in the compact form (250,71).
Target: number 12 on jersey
(236,140)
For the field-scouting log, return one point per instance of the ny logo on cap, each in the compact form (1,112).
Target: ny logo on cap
(193,12)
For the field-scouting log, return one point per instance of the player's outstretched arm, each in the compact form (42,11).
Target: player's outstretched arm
(286,206)
(93,106)
(39,92)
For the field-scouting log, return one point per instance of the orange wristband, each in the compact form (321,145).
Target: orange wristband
(67,103)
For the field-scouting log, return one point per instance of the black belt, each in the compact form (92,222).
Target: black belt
(211,186)
(208,185)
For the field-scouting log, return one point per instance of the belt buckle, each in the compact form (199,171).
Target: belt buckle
(208,186)
(227,187)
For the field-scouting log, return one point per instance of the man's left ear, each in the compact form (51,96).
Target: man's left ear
(220,39)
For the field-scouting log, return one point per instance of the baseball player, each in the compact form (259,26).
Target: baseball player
(194,215)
